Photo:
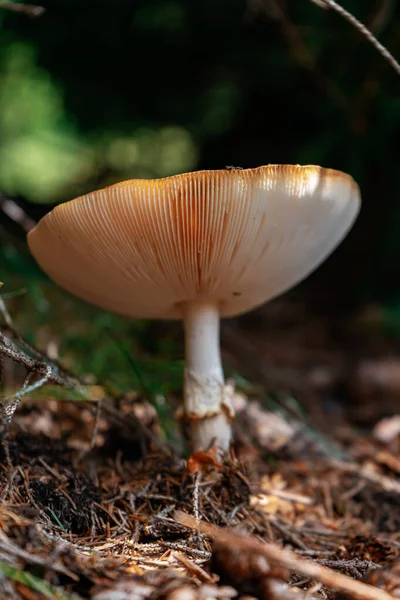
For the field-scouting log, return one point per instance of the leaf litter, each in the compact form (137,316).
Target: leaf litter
(93,505)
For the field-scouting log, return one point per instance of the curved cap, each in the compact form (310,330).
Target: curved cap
(237,237)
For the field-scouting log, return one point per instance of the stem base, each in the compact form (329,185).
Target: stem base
(207,430)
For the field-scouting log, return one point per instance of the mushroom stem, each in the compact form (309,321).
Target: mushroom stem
(206,401)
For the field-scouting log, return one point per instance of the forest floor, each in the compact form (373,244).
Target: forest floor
(319,476)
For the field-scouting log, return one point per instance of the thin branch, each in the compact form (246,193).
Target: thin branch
(193,568)
(9,410)
(11,208)
(389,484)
(4,311)
(277,555)
(96,423)
(26,389)
(41,367)
(362,29)
(31,10)
(36,364)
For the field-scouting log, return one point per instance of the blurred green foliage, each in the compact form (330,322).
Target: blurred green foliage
(42,152)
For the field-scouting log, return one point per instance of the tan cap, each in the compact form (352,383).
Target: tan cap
(234,237)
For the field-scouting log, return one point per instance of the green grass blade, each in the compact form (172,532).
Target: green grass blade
(35,583)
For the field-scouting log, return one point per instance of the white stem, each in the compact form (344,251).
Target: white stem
(206,402)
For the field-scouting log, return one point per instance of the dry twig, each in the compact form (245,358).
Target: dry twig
(191,567)
(286,558)
(31,10)
(389,484)
(362,29)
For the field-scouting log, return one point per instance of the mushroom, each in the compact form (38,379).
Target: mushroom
(197,247)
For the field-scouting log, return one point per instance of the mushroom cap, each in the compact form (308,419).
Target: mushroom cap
(234,237)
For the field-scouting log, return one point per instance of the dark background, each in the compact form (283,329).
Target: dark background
(93,92)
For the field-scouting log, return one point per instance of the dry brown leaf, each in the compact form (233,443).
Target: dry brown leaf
(200,462)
